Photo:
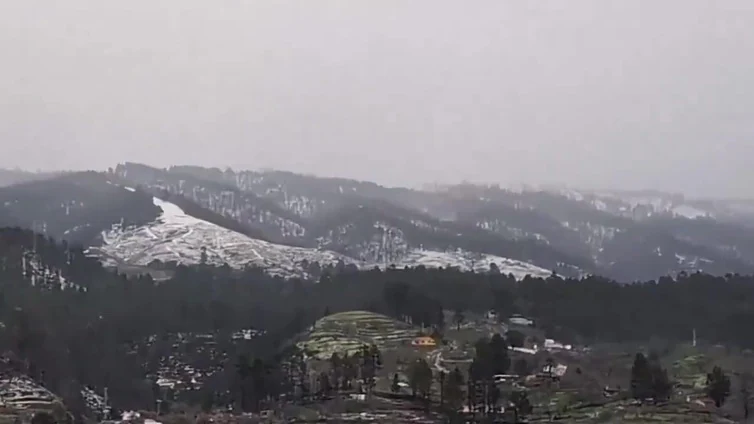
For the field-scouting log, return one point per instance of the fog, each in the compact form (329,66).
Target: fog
(595,94)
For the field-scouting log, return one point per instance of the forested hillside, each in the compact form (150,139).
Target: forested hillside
(96,328)
(76,206)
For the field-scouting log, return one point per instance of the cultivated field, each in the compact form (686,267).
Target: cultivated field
(347,332)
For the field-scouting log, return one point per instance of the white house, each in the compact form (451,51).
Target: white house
(520,320)
(551,344)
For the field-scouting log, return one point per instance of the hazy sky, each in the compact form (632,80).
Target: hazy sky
(625,94)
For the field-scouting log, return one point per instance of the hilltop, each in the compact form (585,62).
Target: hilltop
(346,333)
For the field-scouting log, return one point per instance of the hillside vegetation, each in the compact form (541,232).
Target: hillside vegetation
(346,333)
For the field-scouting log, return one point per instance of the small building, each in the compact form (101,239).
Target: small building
(504,378)
(424,341)
(551,344)
(525,350)
(611,392)
(520,320)
(558,370)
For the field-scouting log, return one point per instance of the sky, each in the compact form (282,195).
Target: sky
(632,94)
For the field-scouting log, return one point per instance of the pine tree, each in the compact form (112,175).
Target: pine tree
(746,383)
(325,387)
(441,376)
(395,387)
(718,386)
(521,367)
(453,390)
(458,318)
(43,418)
(243,371)
(420,378)
(203,256)
(661,386)
(641,378)
(515,338)
(521,405)
(368,367)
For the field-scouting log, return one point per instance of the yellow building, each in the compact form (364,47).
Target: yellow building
(424,341)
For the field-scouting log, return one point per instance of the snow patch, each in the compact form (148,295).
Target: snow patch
(178,237)
(689,212)
(468,261)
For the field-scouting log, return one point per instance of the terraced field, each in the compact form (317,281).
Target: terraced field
(347,332)
(691,371)
(22,397)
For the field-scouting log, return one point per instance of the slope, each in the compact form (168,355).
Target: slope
(618,245)
(379,232)
(176,237)
(347,332)
(75,207)
(345,216)
(258,216)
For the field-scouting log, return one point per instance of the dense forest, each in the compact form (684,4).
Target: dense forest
(65,318)
(76,207)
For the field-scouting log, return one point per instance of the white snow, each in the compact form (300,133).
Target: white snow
(599,205)
(468,261)
(177,236)
(689,212)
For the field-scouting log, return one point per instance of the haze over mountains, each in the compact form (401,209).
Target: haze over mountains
(141,218)
(596,94)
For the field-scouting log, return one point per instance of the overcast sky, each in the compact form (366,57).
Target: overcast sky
(623,94)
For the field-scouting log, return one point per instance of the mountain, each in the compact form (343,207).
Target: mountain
(179,238)
(623,247)
(624,235)
(16,176)
(363,221)
(377,231)
(137,216)
(75,207)
(263,216)
(152,222)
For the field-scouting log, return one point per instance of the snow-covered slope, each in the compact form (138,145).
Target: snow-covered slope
(641,204)
(178,237)
(468,260)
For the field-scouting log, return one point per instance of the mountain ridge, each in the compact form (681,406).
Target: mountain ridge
(571,233)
